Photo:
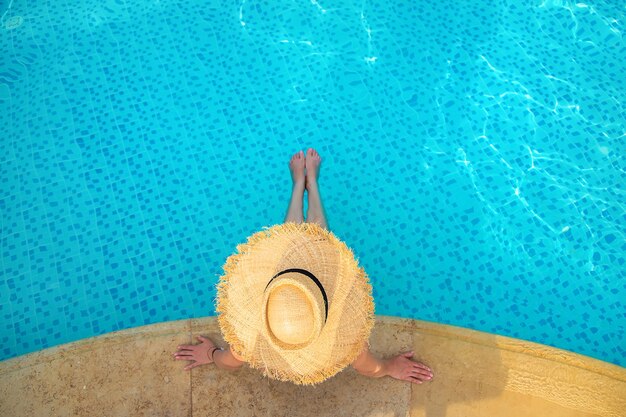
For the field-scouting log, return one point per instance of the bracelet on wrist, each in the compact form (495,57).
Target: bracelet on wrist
(213,353)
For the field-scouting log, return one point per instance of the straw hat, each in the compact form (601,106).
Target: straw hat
(295,304)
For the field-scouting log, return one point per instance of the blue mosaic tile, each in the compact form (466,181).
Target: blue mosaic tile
(472,159)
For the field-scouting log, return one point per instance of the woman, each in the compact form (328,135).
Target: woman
(282,341)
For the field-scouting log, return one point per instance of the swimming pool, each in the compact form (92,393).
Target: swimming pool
(473,158)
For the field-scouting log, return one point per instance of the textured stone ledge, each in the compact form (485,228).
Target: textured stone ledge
(132,373)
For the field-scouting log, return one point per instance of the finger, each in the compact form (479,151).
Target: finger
(423,369)
(184,351)
(184,358)
(420,371)
(413,380)
(185,347)
(421,377)
(421,365)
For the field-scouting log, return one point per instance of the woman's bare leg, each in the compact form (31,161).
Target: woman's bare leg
(315,212)
(296,166)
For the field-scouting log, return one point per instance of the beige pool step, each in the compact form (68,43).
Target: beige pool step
(132,373)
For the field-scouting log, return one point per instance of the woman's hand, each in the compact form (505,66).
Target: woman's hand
(201,354)
(403,368)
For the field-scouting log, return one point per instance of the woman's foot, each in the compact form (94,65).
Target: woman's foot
(313,161)
(296,166)
(315,212)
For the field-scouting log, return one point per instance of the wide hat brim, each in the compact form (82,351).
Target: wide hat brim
(241,307)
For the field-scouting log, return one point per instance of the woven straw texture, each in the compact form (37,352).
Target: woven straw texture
(295,311)
(242,310)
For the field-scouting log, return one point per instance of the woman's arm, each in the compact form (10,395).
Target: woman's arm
(399,367)
(206,352)
(227,359)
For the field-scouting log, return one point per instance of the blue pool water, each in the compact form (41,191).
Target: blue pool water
(473,158)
